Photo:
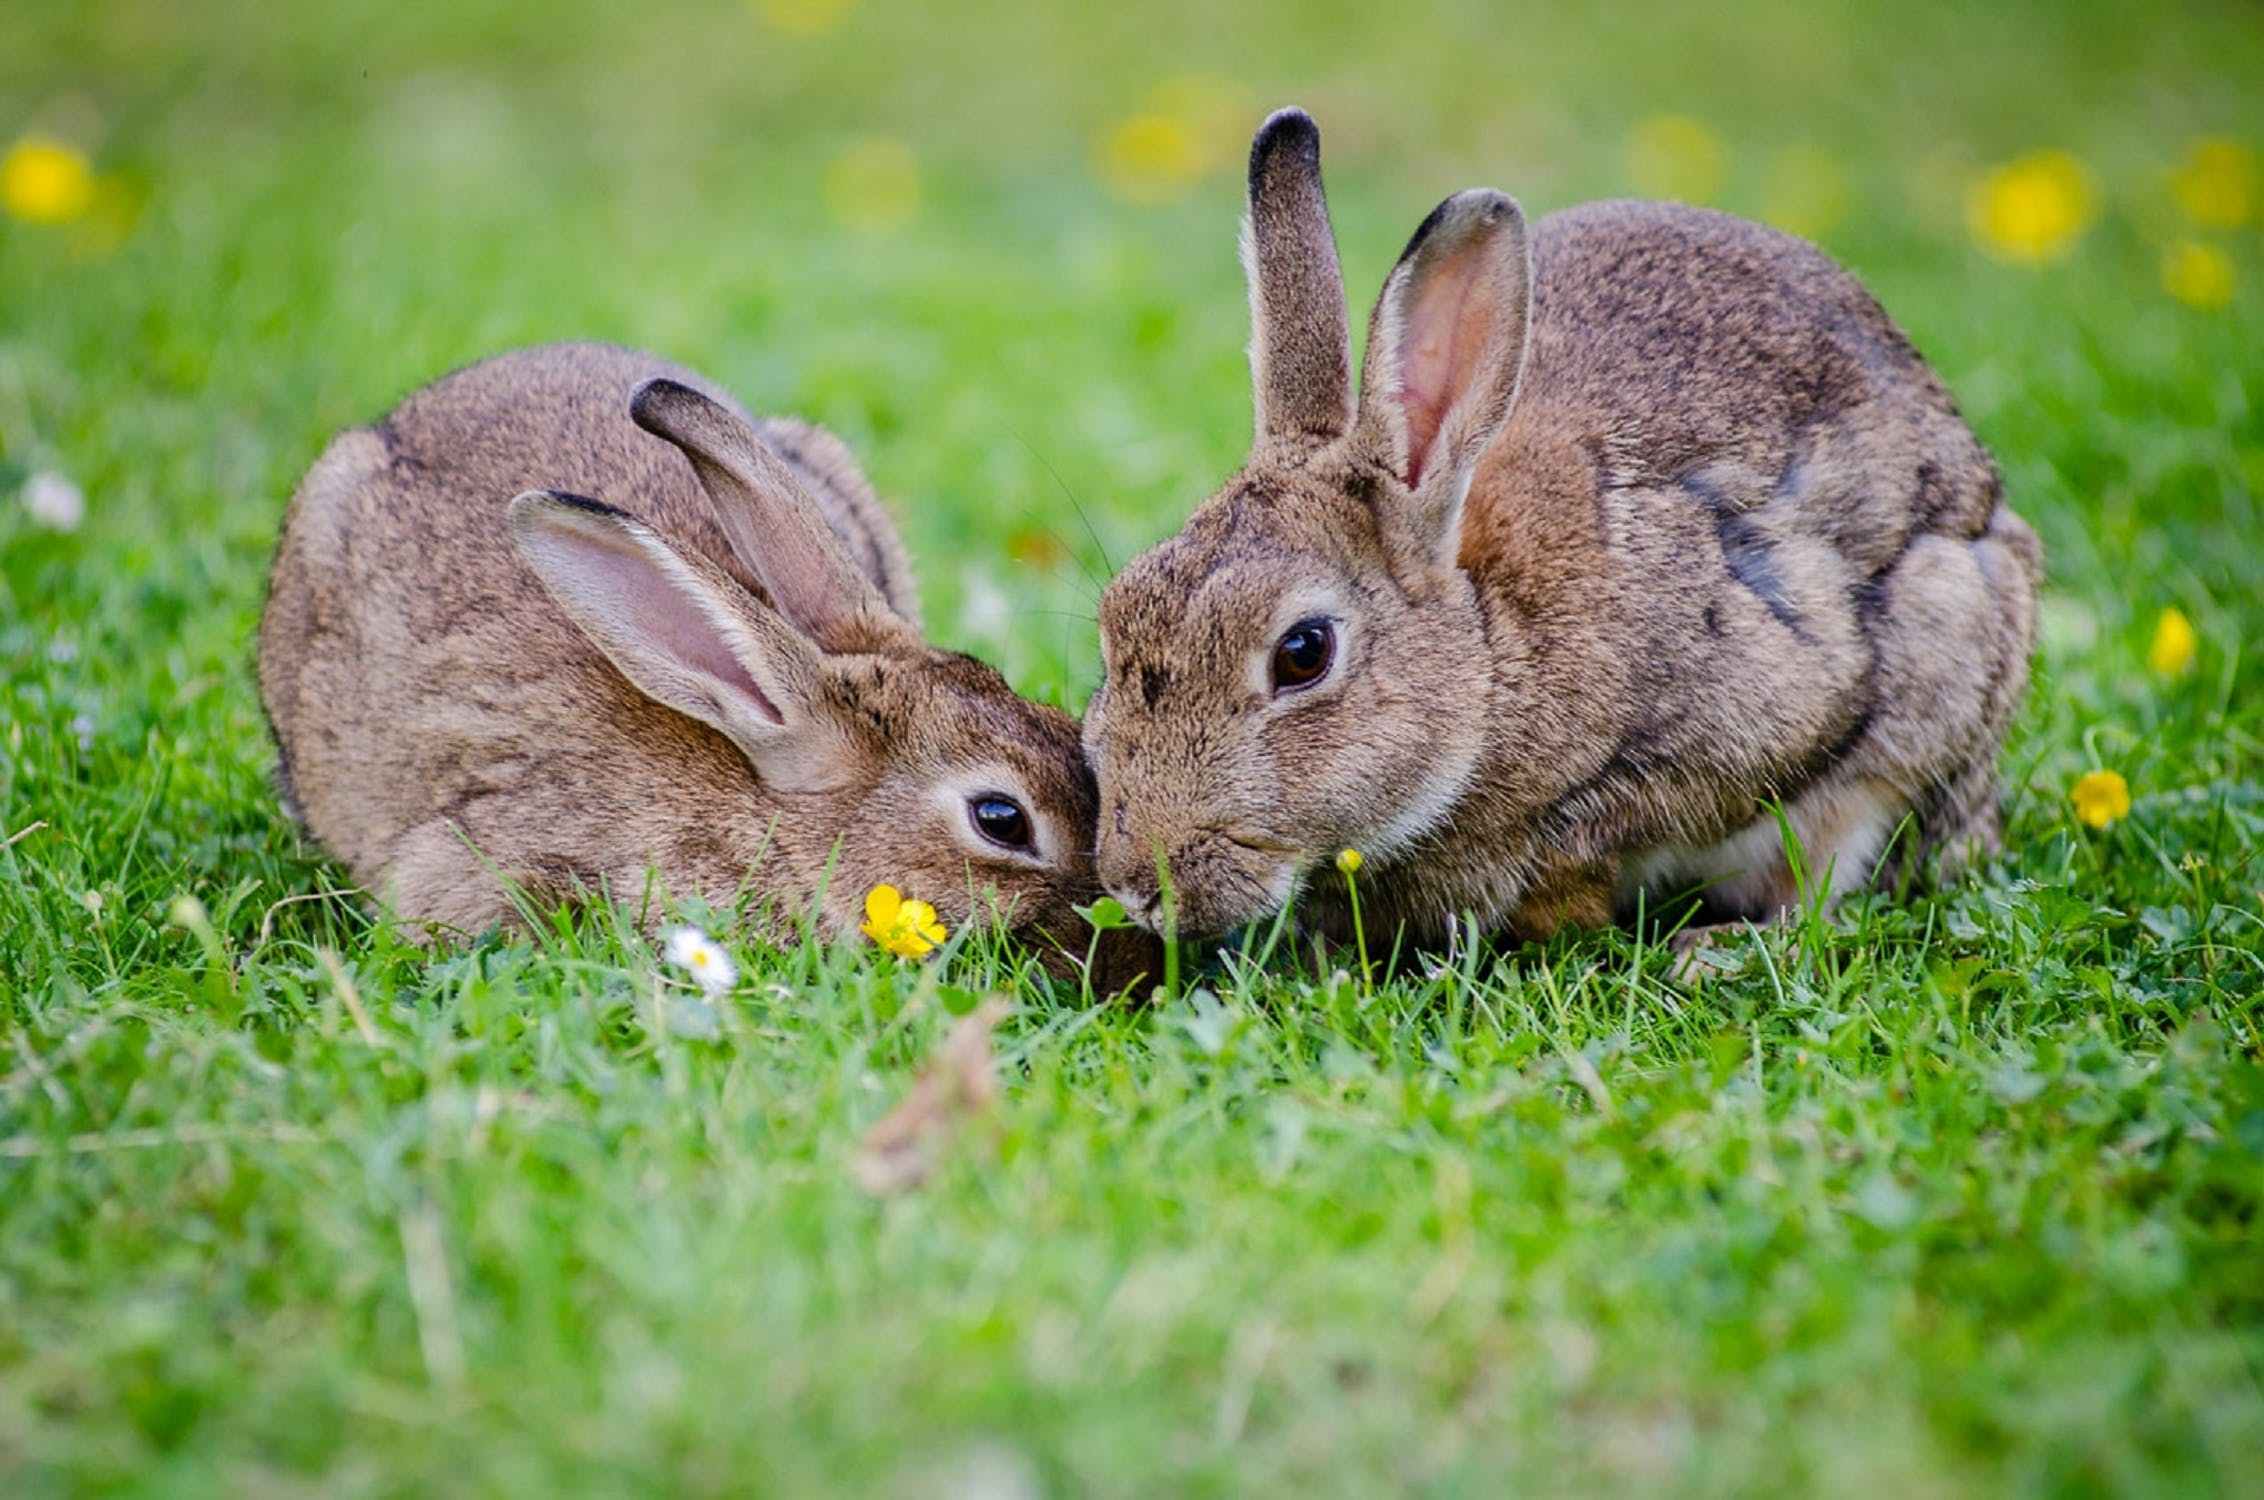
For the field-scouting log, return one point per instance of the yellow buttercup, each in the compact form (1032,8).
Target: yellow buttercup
(908,929)
(2101,798)
(43,181)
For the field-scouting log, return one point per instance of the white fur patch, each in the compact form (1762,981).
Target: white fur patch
(1428,807)
(1842,827)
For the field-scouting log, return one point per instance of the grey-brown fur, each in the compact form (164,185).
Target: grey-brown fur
(445,726)
(855,514)
(1731,544)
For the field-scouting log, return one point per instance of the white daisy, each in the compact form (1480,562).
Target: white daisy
(54,502)
(703,958)
(985,613)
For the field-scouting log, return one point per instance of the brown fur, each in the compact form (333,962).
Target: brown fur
(1725,541)
(445,727)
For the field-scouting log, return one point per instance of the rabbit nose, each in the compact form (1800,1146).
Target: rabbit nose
(1130,878)
(1141,897)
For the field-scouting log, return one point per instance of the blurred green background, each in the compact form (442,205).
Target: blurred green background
(994,246)
(1961,1194)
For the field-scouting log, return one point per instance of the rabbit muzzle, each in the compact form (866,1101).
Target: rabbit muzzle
(1202,883)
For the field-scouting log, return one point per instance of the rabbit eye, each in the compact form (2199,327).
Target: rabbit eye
(1302,655)
(1001,820)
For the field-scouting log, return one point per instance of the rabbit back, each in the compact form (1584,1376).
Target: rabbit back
(1784,552)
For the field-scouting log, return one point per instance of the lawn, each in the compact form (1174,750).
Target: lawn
(1957,1193)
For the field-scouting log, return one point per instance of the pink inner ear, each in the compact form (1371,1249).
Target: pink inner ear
(701,646)
(1441,337)
(660,617)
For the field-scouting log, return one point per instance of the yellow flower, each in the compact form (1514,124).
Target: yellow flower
(1349,861)
(2174,646)
(2100,798)
(2197,274)
(908,929)
(1214,110)
(803,17)
(1676,156)
(1150,158)
(1806,193)
(874,185)
(1176,137)
(2031,211)
(1038,547)
(43,181)
(2216,183)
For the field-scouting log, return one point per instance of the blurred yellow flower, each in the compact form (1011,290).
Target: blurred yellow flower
(2100,798)
(803,17)
(1037,547)
(1186,127)
(2175,645)
(1150,158)
(2032,211)
(1806,193)
(1349,861)
(2216,183)
(1214,110)
(874,185)
(2198,274)
(1677,156)
(44,181)
(908,929)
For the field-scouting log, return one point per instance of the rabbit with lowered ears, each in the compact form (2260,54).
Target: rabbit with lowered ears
(569,616)
(1642,524)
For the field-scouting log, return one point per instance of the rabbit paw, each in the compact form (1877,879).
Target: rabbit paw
(1708,952)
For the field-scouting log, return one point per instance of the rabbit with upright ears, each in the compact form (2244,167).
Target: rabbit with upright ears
(569,616)
(1641,526)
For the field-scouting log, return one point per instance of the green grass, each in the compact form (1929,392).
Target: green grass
(1958,1194)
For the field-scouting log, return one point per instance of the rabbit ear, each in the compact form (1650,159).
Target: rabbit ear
(773,522)
(1300,338)
(1445,350)
(682,633)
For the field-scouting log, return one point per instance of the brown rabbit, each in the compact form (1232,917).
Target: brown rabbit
(1628,536)
(711,670)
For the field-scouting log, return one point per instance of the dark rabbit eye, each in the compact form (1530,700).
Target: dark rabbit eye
(1303,653)
(1001,820)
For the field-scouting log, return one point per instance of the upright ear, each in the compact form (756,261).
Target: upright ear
(1445,350)
(858,518)
(1300,339)
(774,524)
(682,632)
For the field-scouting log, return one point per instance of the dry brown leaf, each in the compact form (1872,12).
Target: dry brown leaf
(956,1088)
